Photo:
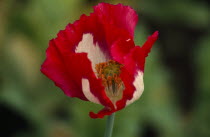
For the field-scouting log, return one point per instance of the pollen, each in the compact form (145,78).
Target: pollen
(109,73)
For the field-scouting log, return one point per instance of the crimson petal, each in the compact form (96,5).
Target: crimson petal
(121,16)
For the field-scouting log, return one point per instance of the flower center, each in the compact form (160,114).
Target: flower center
(109,72)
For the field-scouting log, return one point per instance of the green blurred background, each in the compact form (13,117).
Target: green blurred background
(176,100)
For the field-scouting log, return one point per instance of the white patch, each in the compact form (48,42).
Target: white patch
(94,53)
(87,93)
(128,40)
(139,85)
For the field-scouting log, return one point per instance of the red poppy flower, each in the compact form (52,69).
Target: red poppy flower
(95,58)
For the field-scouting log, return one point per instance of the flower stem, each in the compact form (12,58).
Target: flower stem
(109,125)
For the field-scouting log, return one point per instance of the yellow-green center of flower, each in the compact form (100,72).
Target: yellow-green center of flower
(109,72)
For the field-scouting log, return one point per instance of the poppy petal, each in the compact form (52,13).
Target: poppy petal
(94,52)
(149,43)
(73,63)
(121,48)
(101,113)
(132,77)
(54,68)
(121,16)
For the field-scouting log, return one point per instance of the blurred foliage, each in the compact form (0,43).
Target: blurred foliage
(31,106)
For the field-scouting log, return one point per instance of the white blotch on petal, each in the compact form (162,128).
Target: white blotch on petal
(87,92)
(94,53)
(128,40)
(139,85)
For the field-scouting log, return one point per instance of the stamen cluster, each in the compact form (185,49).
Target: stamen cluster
(109,72)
